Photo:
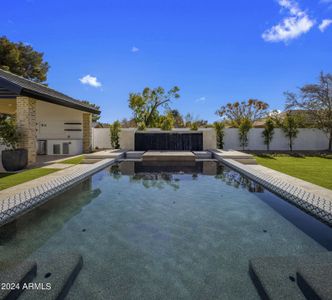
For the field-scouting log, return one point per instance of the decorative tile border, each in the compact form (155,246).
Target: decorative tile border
(16,204)
(317,206)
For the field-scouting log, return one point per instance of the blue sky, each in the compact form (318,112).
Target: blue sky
(215,51)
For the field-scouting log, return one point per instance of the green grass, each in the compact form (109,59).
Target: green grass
(9,180)
(317,170)
(73,161)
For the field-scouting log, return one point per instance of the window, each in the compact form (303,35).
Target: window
(56,149)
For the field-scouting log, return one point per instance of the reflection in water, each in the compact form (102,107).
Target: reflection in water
(50,216)
(237,180)
(160,174)
(157,180)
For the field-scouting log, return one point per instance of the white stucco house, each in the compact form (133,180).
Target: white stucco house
(50,122)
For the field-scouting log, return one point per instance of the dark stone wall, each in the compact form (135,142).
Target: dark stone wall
(169,141)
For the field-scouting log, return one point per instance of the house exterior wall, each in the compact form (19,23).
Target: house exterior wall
(51,119)
(87,132)
(51,126)
(26,125)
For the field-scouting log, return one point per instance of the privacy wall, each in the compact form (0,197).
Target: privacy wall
(307,140)
(101,138)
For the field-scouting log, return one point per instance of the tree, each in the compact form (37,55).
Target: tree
(115,129)
(146,105)
(290,126)
(95,117)
(268,132)
(194,122)
(236,112)
(244,129)
(220,132)
(128,123)
(316,99)
(178,119)
(22,60)
(166,122)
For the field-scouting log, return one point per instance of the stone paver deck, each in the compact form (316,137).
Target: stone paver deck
(21,198)
(232,154)
(311,198)
(57,166)
(105,154)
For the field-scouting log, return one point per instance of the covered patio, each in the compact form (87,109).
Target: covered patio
(49,122)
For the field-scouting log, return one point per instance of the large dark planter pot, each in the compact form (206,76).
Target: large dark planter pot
(14,160)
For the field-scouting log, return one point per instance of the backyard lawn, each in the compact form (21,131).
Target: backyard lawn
(317,170)
(9,180)
(74,160)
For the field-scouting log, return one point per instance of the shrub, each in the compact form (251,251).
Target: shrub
(244,128)
(8,132)
(268,133)
(167,122)
(219,128)
(115,129)
(290,126)
(194,126)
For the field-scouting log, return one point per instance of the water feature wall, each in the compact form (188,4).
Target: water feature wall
(171,141)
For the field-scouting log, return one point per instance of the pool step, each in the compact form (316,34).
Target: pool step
(168,156)
(315,281)
(278,277)
(134,154)
(203,154)
(22,273)
(59,270)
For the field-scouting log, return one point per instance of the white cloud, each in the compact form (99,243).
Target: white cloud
(325,23)
(201,99)
(134,49)
(294,25)
(90,80)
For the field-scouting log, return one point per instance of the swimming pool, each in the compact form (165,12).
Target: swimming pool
(163,231)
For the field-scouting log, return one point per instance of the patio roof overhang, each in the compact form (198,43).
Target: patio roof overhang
(12,86)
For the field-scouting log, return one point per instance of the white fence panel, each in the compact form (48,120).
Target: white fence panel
(307,139)
(101,138)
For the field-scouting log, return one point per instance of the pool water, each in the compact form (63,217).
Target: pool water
(165,232)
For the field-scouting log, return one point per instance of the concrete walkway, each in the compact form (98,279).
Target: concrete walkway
(312,198)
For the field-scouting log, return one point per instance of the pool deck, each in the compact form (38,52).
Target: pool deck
(311,198)
(21,198)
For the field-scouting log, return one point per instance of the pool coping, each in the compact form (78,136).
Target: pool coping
(313,199)
(18,200)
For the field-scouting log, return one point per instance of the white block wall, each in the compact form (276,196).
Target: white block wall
(101,138)
(307,139)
